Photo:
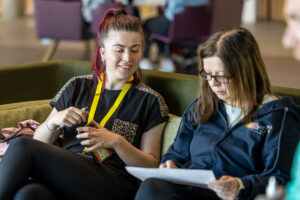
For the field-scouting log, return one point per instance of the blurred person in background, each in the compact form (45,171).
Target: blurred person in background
(160,25)
(291,40)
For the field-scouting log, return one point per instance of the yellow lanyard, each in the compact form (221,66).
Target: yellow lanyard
(113,108)
(101,154)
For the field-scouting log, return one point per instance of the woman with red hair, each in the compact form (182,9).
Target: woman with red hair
(109,119)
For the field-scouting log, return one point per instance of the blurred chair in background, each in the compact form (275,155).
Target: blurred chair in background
(75,20)
(97,15)
(161,25)
(187,29)
(192,26)
(60,20)
(102,8)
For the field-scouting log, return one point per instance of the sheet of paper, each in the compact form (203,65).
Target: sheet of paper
(195,177)
(3,148)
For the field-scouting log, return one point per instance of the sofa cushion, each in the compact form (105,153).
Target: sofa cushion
(11,114)
(170,132)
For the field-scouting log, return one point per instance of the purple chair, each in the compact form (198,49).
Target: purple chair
(98,14)
(187,29)
(59,20)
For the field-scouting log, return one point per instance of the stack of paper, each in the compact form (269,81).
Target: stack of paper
(194,177)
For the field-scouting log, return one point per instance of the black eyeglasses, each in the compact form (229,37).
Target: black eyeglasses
(218,78)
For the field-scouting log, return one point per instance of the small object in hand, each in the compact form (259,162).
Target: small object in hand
(101,154)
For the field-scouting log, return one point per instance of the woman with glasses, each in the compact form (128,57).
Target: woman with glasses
(237,128)
(109,119)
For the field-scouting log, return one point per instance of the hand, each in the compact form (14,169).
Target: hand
(67,117)
(168,164)
(97,137)
(227,187)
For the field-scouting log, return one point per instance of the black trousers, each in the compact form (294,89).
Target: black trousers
(35,191)
(159,25)
(59,173)
(159,189)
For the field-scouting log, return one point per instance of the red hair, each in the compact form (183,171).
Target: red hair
(118,20)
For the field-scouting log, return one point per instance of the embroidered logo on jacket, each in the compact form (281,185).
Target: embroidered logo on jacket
(260,129)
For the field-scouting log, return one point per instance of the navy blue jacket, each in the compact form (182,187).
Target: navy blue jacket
(252,152)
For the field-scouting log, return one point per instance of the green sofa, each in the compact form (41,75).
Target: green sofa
(26,91)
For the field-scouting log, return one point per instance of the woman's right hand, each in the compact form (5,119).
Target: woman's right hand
(168,164)
(67,117)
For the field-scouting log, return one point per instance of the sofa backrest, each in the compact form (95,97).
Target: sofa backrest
(178,90)
(42,80)
(37,81)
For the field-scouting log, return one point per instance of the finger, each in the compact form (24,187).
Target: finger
(82,135)
(92,148)
(85,142)
(85,114)
(95,124)
(76,118)
(85,129)
(163,165)
(170,164)
(69,119)
(211,185)
(225,192)
(67,123)
(226,195)
(79,114)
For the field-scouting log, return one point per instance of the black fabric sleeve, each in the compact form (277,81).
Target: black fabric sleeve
(156,114)
(63,98)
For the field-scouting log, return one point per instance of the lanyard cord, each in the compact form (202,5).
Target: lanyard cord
(115,105)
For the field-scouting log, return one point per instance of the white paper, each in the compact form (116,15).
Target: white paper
(3,148)
(194,177)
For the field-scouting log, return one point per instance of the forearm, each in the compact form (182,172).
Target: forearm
(133,156)
(44,134)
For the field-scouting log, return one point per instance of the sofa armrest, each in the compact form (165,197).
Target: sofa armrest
(284,91)
(11,114)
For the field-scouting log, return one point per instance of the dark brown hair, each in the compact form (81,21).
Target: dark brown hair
(249,82)
(116,19)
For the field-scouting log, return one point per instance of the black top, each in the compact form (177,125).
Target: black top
(141,109)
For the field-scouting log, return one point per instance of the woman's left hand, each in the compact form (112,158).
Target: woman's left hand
(97,137)
(227,187)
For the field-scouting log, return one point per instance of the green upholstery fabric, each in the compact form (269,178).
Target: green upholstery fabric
(178,90)
(170,132)
(26,91)
(37,81)
(283,91)
(11,114)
